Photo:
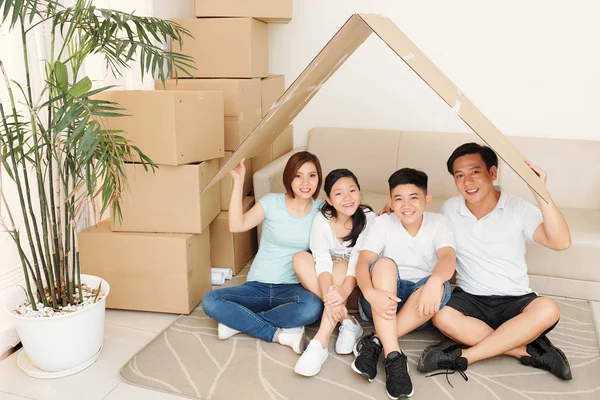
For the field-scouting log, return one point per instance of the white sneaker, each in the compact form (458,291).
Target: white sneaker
(310,363)
(294,338)
(225,332)
(350,332)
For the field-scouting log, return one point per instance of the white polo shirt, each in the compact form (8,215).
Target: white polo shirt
(490,252)
(415,256)
(325,245)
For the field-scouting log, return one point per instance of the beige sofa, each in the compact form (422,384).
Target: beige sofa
(573,168)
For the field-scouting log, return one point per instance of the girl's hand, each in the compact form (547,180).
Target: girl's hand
(335,296)
(239,172)
(335,314)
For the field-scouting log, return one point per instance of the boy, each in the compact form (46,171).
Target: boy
(403,271)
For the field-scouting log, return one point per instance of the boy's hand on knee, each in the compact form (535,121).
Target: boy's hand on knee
(383,303)
(429,298)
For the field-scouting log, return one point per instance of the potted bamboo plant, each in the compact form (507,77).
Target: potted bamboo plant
(58,154)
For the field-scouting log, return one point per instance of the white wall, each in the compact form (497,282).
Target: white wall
(532,67)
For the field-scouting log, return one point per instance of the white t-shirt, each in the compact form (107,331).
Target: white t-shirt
(415,256)
(490,252)
(324,244)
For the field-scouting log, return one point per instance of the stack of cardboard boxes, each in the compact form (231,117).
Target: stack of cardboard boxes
(158,258)
(231,50)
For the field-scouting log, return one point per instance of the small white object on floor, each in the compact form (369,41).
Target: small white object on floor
(313,358)
(350,332)
(217,278)
(294,338)
(228,272)
(225,332)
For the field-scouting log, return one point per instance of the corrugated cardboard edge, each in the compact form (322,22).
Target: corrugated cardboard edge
(348,38)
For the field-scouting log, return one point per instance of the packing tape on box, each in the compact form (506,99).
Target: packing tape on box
(408,57)
(457,104)
(228,272)
(217,278)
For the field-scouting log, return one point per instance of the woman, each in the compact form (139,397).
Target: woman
(272,305)
(335,241)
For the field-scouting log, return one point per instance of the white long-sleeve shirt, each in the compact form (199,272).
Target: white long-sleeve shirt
(325,246)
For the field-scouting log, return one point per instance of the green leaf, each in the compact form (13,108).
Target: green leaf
(18,10)
(81,87)
(61,75)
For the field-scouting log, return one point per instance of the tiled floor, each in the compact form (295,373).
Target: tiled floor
(125,334)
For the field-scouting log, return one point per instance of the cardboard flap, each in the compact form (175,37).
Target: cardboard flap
(435,79)
(354,32)
(294,99)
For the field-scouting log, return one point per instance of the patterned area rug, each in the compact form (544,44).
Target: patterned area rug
(188,360)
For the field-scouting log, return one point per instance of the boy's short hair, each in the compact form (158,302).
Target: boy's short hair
(487,155)
(408,176)
(296,161)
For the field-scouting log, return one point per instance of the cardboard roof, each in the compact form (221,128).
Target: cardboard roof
(350,36)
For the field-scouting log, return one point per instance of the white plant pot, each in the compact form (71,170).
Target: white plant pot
(57,344)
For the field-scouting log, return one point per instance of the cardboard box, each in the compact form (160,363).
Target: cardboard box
(169,199)
(226,47)
(283,144)
(171,127)
(236,130)
(148,271)
(338,50)
(241,97)
(271,89)
(227,182)
(264,10)
(231,250)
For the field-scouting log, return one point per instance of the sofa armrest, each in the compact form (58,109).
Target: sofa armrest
(269,179)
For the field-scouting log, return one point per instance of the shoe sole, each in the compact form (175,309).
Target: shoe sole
(353,366)
(360,333)
(402,395)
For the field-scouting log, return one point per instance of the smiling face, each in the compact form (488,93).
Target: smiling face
(409,202)
(472,178)
(344,196)
(305,181)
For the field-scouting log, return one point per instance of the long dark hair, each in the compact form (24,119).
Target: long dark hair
(359,220)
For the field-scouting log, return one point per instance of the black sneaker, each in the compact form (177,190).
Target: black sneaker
(367,351)
(544,355)
(445,345)
(451,360)
(440,356)
(397,379)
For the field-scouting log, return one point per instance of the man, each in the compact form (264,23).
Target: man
(492,310)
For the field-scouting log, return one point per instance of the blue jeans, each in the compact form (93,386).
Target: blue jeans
(261,309)
(404,289)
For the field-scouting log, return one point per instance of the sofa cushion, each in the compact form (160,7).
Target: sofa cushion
(580,261)
(369,154)
(429,152)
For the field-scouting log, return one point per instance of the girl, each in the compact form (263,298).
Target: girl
(272,305)
(335,241)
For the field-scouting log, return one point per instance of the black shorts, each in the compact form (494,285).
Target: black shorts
(493,310)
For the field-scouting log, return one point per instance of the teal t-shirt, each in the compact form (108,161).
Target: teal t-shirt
(282,237)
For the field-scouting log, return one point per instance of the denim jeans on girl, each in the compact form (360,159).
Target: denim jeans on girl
(261,309)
